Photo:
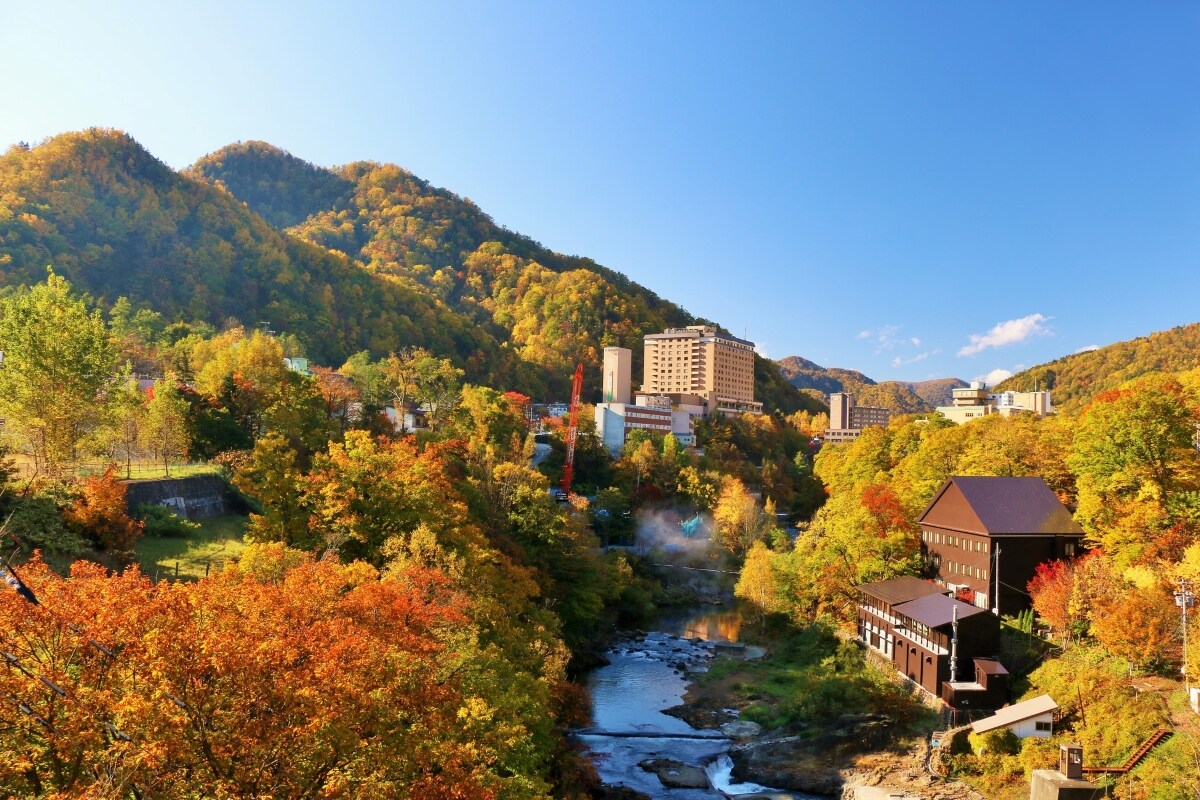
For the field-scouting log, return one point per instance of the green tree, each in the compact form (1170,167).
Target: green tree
(165,430)
(58,361)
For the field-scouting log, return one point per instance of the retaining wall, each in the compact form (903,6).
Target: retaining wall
(192,497)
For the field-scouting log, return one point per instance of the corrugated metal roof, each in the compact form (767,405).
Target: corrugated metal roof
(997,506)
(1017,712)
(900,590)
(936,610)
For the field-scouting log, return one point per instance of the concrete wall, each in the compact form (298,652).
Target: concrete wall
(192,498)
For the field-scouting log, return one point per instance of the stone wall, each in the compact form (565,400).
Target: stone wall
(192,498)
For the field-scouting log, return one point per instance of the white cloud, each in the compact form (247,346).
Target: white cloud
(761,349)
(1010,332)
(915,342)
(1087,348)
(901,362)
(994,377)
(864,334)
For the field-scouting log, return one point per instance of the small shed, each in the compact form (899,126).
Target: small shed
(1033,717)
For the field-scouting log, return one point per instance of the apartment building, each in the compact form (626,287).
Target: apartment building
(700,361)
(847,419)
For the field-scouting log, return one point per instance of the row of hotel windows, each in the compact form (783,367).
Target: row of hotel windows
(962,542)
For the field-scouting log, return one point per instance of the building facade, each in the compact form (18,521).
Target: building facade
(847,419)
(984,537)
(920,629)
(614,421)
(699,361)
(974,401)
(616,375)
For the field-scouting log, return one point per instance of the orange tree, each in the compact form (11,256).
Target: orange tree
(287,677)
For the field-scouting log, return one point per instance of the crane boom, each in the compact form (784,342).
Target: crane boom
(572,429)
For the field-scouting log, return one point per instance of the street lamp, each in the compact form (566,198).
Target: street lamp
(1185,600)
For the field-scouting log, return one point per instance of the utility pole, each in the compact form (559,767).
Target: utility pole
(996,577)
(1185,599)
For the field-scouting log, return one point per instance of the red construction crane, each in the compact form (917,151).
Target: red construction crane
(572,429)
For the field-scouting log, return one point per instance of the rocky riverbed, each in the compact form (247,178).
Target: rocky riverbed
(660,731)
(638,747)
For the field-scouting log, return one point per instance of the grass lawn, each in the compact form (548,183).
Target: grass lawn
(216,540)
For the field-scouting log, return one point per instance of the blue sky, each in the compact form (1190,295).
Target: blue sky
(913,190)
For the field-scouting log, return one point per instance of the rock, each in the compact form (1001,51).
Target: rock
(676,774)
(741,729)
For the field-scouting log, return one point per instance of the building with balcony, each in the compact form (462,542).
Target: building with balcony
(922,630)
(700,362)
(974,401)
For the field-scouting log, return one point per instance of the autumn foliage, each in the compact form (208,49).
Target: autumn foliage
(311,680)
(99,514)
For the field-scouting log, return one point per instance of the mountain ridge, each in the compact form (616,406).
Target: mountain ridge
(903,397)
(366,256)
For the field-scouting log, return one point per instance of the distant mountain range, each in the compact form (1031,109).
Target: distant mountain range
(899,396)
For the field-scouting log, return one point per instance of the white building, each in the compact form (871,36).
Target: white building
(1033,717)
(974,401)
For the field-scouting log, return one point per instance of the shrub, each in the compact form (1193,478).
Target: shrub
(37,524)
(162,522)
(1002,741)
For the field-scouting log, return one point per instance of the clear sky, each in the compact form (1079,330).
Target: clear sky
(913,190)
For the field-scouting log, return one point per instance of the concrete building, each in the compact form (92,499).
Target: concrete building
(700,362)
(614,421)
(974,401)
(617,384)
(984,537)
(847,420)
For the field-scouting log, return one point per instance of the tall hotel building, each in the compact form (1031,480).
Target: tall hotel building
(697,365)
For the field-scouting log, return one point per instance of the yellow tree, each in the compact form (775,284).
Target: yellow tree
(739,520)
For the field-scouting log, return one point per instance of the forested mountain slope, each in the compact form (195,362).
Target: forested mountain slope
(902,398)
(1076,379)
(365,256)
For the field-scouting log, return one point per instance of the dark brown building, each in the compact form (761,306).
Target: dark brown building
(911,622)
(984,537)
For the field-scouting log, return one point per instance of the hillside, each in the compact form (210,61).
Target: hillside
(365,256)
(1075,379)
(900,397)
(936,392)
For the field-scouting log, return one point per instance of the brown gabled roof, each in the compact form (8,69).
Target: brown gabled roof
(900,590)
(937,610)
(996,506)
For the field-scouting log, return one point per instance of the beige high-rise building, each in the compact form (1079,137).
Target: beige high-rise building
(699,362)
(617,375)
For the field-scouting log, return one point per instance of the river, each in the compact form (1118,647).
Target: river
(646,675)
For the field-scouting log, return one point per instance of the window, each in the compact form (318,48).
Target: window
(1044,726)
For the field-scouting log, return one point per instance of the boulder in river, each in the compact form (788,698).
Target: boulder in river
(675,774)
(741,729)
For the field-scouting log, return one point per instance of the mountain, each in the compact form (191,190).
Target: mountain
(1075,379)
(900,397)
(365,256)
(936,392)
(805,374)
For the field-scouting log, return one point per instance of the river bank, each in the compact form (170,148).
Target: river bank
(818,749)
